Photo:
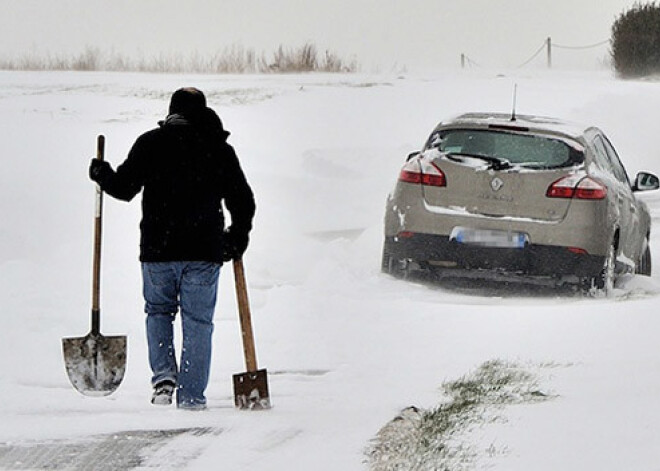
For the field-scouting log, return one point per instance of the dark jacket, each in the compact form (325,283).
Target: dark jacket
(186,169)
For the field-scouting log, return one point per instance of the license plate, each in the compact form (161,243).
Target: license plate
(489,237)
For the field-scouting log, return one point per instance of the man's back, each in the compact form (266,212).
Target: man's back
(186,170)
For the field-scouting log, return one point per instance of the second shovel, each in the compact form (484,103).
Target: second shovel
(251,387)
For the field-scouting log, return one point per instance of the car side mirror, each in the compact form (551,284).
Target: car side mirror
(646,181)
(412,155)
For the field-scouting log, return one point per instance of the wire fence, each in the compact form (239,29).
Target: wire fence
(547,45)
(590,46)
(538,51)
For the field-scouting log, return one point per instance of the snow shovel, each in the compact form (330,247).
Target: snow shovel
(95,363)
(251,387)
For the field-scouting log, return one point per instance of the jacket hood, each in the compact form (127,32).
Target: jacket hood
(208,122)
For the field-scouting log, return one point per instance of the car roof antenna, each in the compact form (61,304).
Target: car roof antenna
(515,93)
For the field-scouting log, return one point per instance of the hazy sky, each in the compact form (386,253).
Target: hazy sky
(388,33)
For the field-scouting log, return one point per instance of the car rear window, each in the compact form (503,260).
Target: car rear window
(529,150)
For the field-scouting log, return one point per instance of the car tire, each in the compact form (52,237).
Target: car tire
(394,266)
(385,262)
(644,265)
(603,282)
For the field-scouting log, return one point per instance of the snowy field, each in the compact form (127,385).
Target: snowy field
(346,347)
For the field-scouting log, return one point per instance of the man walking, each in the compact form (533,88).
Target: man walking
(185,170)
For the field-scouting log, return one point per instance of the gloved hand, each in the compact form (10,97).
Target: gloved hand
(234,245)
(98,169)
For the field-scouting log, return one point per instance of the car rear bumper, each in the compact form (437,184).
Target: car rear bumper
(439,252)
(586,227)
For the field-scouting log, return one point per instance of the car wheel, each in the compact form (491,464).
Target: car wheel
(644,265)
(385,262)
(394,266)
(604,281)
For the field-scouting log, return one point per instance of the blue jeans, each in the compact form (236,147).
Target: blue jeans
(193,287)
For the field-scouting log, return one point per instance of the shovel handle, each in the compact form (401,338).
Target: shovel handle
(98,227)
(244,315)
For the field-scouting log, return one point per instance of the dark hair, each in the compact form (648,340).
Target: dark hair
(188,102)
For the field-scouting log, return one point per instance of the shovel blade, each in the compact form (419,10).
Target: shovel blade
(251,390)
(95,364)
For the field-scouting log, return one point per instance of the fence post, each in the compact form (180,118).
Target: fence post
(462,61)
(549,45)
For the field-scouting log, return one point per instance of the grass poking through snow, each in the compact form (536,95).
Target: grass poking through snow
(431,439)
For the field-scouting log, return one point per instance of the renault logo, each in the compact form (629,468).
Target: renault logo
(496,184)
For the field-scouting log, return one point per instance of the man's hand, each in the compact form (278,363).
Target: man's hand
(98,169)
(234,245)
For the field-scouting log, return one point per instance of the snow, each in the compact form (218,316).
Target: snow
(346,347)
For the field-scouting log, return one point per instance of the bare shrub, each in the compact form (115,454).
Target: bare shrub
(233,59)
(89,59)
(303,59)
(30,61)
(306,58)
(333,63)
(117,62)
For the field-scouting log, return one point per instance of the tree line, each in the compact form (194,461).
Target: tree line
(635,41)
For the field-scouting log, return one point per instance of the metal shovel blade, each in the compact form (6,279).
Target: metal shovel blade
(95,364)
(251,390)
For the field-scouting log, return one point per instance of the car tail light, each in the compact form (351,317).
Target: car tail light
(577,186)
(422,172)
(411,172)
(405,235)
(590,189)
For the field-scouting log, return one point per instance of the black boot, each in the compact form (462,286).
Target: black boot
(163,393)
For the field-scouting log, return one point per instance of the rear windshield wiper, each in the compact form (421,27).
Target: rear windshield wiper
(495,162)
(540,165)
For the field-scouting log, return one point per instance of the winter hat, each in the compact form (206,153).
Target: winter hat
(187,101)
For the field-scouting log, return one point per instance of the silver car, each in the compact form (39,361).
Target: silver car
(495,195)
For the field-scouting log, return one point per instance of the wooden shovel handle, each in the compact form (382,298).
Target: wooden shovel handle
(98,227)
(244,315)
